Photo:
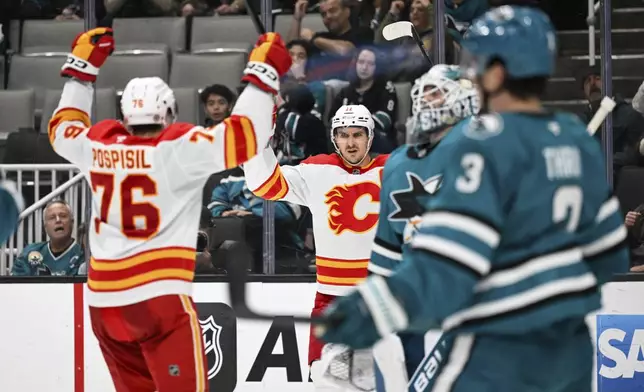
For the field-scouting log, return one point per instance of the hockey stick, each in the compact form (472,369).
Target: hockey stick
(605,107)
(237,278)
(405,29)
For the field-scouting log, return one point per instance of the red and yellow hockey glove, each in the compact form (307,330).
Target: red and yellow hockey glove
(268,62)
(89,51)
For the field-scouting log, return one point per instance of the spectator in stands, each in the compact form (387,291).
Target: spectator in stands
(628,124)
(195,8)
(217,102)
(299,130)
(341,38)
(61,255)
(231,198)
(368,86)
(638,100)
(142,8)
(300,51)
(410,63)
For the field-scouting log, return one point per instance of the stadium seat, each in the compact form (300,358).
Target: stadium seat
(118,70)
(37,73)
(311,21)
(41,37)
(238,29)
(222,47)
(188,104)
(198,71)
(106,106)
(21,148)
(16,111)
(153,35)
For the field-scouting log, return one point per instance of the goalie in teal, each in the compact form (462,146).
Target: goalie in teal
(11,204)
(440,99)
(516,243)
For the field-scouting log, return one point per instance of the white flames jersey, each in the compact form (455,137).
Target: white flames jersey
(146,192)
(344,202)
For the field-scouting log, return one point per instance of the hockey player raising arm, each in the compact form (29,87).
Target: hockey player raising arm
(342,190)
(11,204)
(516,243)
(147,175)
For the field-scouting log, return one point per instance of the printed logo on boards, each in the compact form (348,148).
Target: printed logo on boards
(219,333)
(620,353)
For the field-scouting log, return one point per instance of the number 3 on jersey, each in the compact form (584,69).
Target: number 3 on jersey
(130,211)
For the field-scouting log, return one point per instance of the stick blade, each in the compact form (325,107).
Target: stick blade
(398,30)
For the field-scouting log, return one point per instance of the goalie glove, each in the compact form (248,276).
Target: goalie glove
(89,52)
(351,370)
(267,63)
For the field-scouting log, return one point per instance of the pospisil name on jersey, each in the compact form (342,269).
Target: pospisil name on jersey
(620,353)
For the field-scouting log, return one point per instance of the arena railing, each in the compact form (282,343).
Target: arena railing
(40,184)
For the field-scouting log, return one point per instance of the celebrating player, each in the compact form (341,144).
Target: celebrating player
(440,99)
(516,243)
(147,175)
(11,203)
(342,190)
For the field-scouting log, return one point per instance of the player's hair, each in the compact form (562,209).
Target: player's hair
(146,128)
(524,88)
(61,202)
(217,89)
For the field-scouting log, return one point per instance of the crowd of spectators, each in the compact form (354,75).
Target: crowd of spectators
(351,57)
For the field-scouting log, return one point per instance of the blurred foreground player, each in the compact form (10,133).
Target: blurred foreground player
(342,190)
(11,204)
(147,176)
(412,175)
(514,247)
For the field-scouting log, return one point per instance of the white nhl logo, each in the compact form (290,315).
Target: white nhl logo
(211,332)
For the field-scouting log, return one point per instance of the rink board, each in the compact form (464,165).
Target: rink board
(47,342)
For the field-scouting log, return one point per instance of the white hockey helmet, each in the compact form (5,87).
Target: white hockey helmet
(352,116)
(441,98)
(147,101)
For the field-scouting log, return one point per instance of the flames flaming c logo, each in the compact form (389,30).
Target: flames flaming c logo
(342,201)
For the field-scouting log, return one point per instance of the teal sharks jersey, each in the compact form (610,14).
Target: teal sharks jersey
(411,175)
(521,233)
(38,260)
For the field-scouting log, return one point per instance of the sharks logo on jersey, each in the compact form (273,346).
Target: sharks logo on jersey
(406,201)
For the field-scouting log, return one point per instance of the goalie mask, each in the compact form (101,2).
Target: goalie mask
(148,101)
(352,116)
(440,99)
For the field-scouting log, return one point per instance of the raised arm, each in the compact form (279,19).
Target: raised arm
(270,181)
(239,137)
(70,122)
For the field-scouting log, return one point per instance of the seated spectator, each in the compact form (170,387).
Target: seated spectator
(217,102)
(341,38)
(231,199)
(300,51)
(337,44)
(368,87)
(628,124)
(299,130)
(410,63)
(61,255)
